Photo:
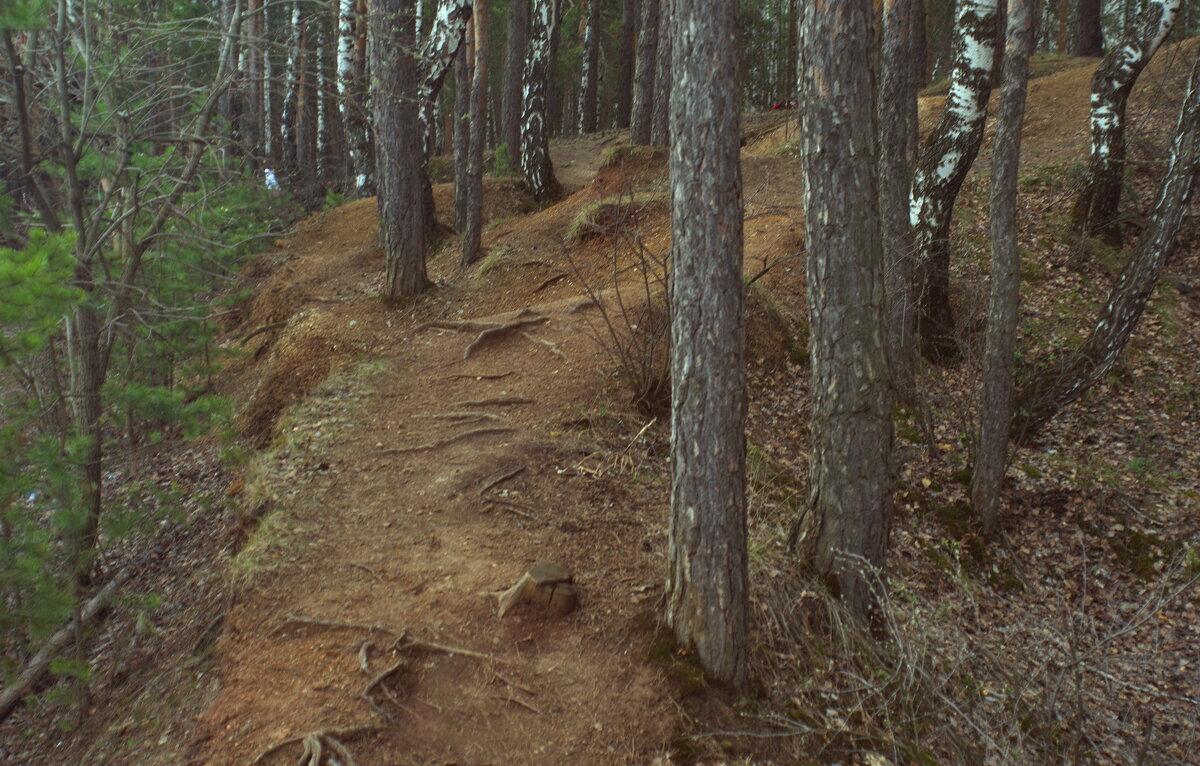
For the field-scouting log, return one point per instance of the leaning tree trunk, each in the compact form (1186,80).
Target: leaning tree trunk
(399,155)
(897,105)
(476,127)
(1096,208)
(539,68)
(1060,384)
(707,584)
(514,61)
(642,120)
(661,132)
(991,450)
(844,530)
(943,167)
(623,98)
(590,70)
(438,53)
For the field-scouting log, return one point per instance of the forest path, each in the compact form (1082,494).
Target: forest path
(408,491)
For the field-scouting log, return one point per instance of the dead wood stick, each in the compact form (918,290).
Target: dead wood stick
(466,326)
(549,281)
(302,620)
(364,657)
(458,416)
(261,330)
(496,401)
(436,647)
(348,731)
(481,376)
(497,331)
(503,477)
(445,442)
(518,701)
(551,345)
(513,508)
(515,685)
(378,577)
(382,675)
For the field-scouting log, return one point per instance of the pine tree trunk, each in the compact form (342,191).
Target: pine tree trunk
(844,531)
(289,164)
(623,98)
(943,167)
(252,111)
(991,451)
(462,128)
(661,132)
(473,224)
(1089,37)
(590,70)
(897,117)
(399,156)
(707,583)
(1061,383)
(643,86)
(1064,9)
(539,69)
(514,64)
(1097,207)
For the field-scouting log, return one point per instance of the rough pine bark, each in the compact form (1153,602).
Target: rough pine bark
(991,449)
(1089,36)
(463,67)
(1097,207)
(590,70)
(844,530)
(660,134)
(707,584)
(477,125)
(514,63)
(897,106)
(623,97)
(642,120)
(535,135)
(941,170)
(399,154)
(1061,383)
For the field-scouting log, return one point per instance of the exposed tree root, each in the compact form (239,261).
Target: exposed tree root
(496,401)
(498,331)
(314,743)
(482,376)
(504,476)
(444,442)
(550,344)
(261,330)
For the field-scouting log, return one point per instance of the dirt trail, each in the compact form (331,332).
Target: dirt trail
(408,492)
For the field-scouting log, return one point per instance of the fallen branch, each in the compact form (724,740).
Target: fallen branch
(458,416)
(496,401)
(517,701)
(551,345)
(516,508)
(300,619)
(444,442)
(508,474)
(495,332)
(481,376)
(549,281)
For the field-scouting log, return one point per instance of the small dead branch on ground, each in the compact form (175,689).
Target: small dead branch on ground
(495,401)
(501,477)
(444,442)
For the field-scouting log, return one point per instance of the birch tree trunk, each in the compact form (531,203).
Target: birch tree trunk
(289,164)
(399,155)
(991,451)
(943,167)
(897,105)
(642,120)
(1063,382)
(514,64)
(477,126)
(590,70)
(1097,207)
(844,530)
(438,53)
(661,132)
(539,69)
(707,583)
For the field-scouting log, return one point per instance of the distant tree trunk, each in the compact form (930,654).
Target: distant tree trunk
(289,166)
(306,130)
(439,52)
(1097,207)
(661,132)
(1089,37)
(539,68)
(844,530)
(1064,32)
(707,584)
(364,144)
(943,167)
(348,120)
(897,105)
(623,98)
(228,108)
(252,113)
(514,64)
(473,229)
(399,155)
(991,451)
(590,70)
(462,128)
(1061,383)
(643,87)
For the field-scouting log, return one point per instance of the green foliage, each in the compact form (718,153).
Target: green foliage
(35,292)
(23,15)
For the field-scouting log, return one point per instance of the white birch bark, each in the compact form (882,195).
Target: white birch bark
(535,133)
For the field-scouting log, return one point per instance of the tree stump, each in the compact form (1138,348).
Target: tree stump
(550,586)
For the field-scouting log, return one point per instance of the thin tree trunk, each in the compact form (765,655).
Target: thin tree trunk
(539,69)
(661,132)
(289,165)
(514,64)
(943,167)
(991,451)
(623,98)
(251,116)
(590,70)
(462,127)
(1064,35)
(473,223)
(1097,207)
(399,156)
(707,583)
(643,86)
(1059,384)
(844,530)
